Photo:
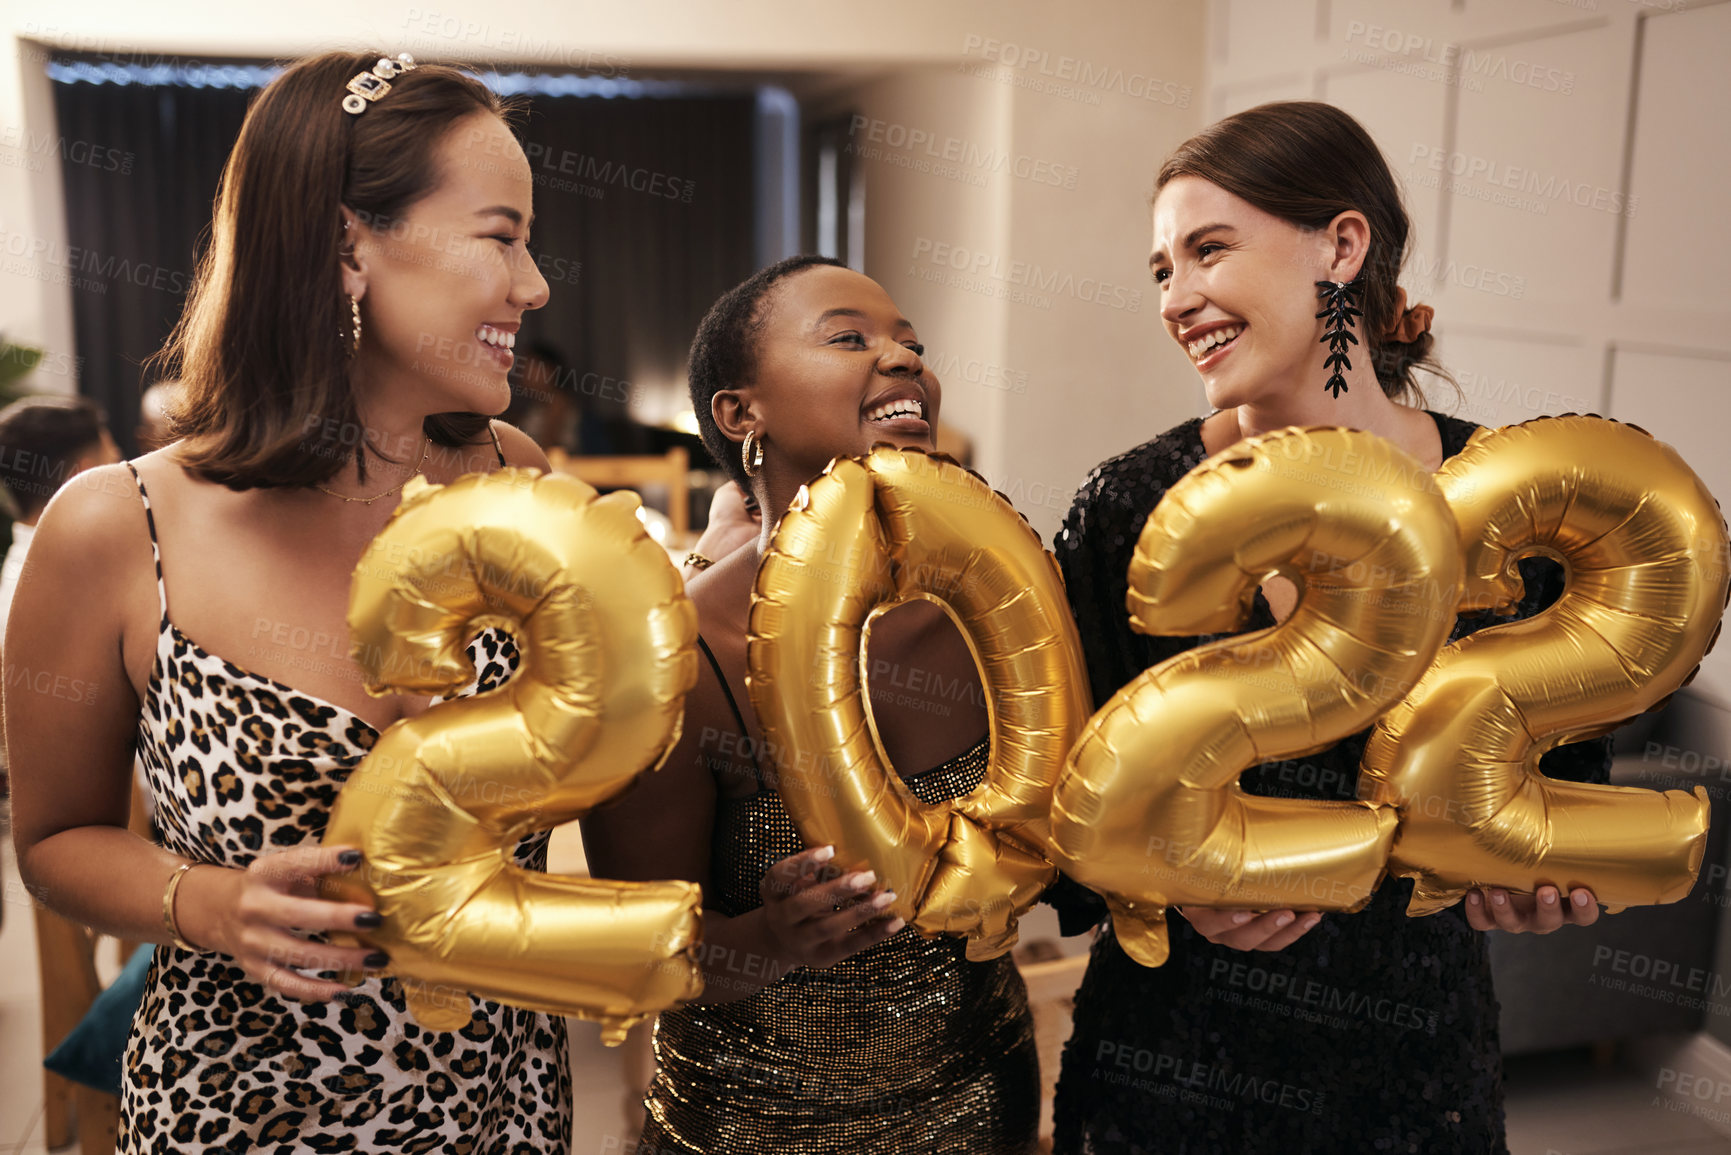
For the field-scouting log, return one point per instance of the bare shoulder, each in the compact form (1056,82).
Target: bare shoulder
(519,448)
(89,580)
(96,517)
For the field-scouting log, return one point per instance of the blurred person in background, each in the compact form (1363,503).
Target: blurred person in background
(156,415)
(44,443)
(539,406)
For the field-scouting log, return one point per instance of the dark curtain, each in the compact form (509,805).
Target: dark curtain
(654,198)
(643,217)
(134,220)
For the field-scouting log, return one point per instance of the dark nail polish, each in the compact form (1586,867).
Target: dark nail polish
(350,858)
(376,960)
(369,919)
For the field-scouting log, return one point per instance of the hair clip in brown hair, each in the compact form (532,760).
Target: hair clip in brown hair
(367,87)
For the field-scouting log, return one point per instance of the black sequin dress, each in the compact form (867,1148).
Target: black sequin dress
(1373,1032)
(904,1047)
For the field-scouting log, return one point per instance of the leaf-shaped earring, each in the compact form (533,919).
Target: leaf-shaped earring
(1340,306)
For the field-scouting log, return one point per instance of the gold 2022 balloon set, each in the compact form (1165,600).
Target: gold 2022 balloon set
(1383,551)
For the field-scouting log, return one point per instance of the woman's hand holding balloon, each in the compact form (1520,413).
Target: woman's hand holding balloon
(1493,908)
(816,916)
(256,917)
(1250,930)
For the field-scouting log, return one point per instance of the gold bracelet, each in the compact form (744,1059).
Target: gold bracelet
(168,920)
(697,561)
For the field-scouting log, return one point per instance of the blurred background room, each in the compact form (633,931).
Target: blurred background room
(990,163)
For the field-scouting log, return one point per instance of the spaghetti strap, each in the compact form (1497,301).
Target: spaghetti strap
(155,552)
(497,448)
(727,691)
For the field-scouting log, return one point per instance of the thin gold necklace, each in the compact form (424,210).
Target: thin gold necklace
(426,448)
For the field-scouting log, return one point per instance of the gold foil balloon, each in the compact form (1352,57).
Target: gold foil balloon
(1644,547)
(870,534)
(607,638)
(1149,811)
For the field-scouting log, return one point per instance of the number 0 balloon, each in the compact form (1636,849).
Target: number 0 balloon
(870,534)
(608,643)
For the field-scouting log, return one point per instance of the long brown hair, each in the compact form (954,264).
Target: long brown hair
(262,348)
(1306,163)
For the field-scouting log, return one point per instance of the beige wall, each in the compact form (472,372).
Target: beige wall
(1577,251)
(1577,255)
(1023,262)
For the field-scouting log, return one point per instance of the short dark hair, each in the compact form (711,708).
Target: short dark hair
(41,440)
(1307,162)
(260,345)
(724,352)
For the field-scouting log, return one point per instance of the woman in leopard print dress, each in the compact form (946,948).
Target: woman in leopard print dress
(350,329)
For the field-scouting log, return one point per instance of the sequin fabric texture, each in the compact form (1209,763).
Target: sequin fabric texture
(906,1047)
(1374,1032)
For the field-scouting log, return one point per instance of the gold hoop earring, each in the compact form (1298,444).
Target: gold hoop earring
(355,312)
(751,453)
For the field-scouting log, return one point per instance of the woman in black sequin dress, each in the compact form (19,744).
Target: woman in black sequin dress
(1283,1031)
(825,1026)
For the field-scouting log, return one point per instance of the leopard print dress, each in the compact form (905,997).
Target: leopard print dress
(241,765)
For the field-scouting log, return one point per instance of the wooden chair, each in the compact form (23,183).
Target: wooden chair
(671,469)
(66,963)
(66,957)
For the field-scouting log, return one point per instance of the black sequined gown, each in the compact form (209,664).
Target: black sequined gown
(905,1047)
(1373,1032)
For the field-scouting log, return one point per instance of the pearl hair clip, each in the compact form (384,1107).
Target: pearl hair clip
(367,87)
